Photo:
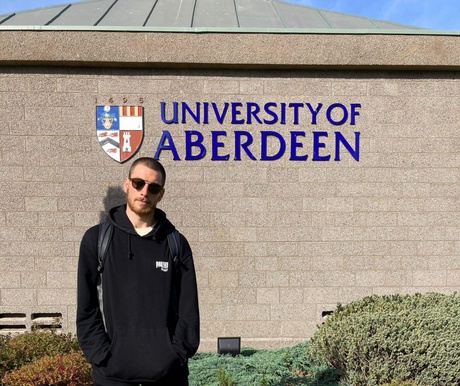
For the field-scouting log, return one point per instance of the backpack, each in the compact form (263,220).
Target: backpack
(105,236)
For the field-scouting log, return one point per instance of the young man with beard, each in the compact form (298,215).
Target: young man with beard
(138,320)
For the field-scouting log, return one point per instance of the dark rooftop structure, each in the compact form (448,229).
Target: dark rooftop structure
(197,15)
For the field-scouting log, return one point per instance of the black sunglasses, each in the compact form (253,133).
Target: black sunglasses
(139,183)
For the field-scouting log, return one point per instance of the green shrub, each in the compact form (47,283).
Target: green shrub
(275,367)
(401,383)
(59,370)
(24,348)
(45,358)
(379,339)
(224,378)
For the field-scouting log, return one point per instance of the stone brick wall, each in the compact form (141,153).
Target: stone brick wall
(276,243)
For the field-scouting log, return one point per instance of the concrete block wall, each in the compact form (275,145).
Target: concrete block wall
(277,244)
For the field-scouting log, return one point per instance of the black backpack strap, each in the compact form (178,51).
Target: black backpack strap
(174,242)
(105,236)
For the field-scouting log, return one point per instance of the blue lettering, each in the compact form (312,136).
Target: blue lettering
(315,112)
(329,114)
(235,112)
(295,145)
(216,144)
(162,145)
(245,145)
(252,111)
(163,113)
(340,139)
(317,145)
(296,111)
(189,143)
(205,113)
(283,113)
(264,151)
(194,115)
(354,113)
(271,113)
(220,117)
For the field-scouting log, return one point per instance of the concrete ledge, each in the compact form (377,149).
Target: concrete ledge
(230,50)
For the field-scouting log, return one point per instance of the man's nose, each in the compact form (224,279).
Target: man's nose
(145,190)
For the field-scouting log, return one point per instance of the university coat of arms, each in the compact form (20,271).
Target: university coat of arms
(120,130)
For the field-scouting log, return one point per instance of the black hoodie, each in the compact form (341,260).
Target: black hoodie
(146,324)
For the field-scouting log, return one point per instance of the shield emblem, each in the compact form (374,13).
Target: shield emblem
(120,130)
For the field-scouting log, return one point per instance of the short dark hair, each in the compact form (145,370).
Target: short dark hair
(151,163)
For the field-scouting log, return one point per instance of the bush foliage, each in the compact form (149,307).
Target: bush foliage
(275,367)
(42,358)
(394,340)
(21,349)
(61,369)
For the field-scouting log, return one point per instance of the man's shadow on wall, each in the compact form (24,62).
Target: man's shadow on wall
(115,196)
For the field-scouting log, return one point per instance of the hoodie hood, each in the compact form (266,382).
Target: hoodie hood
(117,216)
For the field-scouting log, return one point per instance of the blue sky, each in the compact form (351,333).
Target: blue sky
(21,5)
(432,14)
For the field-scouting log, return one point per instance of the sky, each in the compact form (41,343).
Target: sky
(431,14)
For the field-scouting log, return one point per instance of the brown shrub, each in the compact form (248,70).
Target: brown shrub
(58,370)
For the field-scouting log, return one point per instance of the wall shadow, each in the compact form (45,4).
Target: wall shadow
(115,196)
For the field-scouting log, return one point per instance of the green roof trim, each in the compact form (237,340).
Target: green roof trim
(317,31)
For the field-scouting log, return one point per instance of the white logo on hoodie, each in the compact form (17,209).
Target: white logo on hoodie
(163,265)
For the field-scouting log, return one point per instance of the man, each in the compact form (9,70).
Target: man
(138,321)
